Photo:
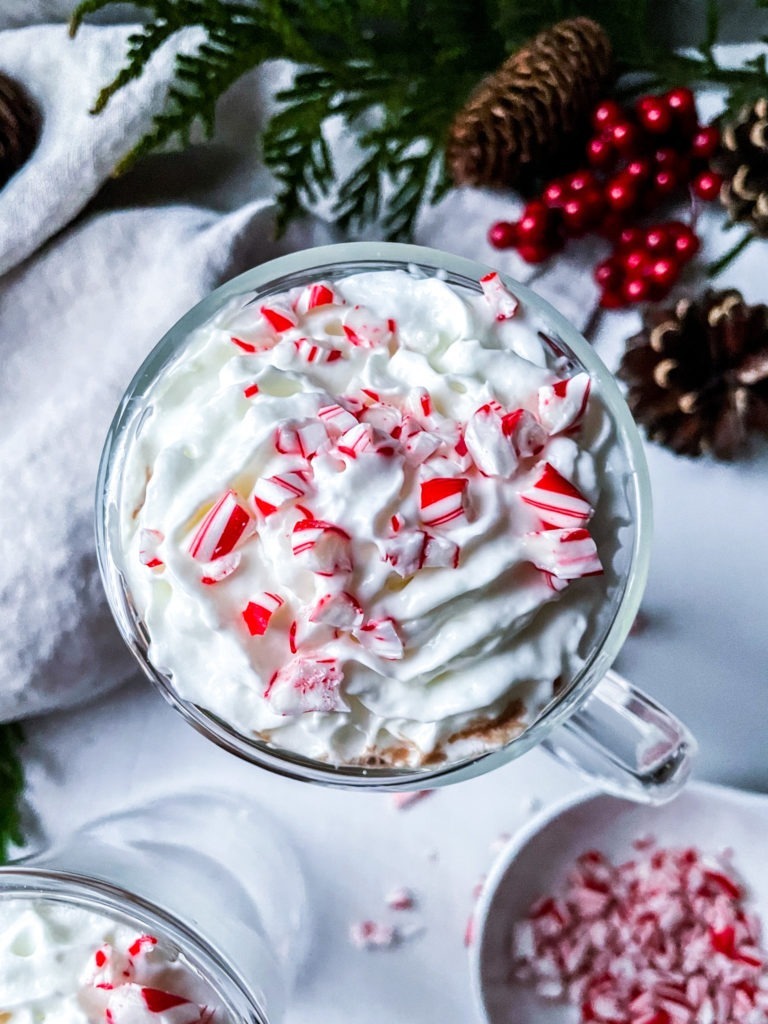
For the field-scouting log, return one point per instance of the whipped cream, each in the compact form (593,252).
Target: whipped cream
(61,963)
(355,518)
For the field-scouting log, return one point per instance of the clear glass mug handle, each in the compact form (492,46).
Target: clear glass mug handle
(630,744)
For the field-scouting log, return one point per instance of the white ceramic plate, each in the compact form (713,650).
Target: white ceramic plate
(536,860)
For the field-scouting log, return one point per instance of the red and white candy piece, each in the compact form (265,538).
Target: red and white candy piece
(417,444)
(262,345)
(279,317)
(563,404)
(318,294)
(356,441)
(440,553)
(373,935)
(527,435)
(501,300)
(137,1004)
(341,610)
(567,554)
(312,351)
(258,613)
(382,417)
(380,637)
(491,448)
(411,550)
(109,967)
(304,438)
(149,545)
(366,329)
(220,530)
(272,492)
(336,419)
(221,568)
(323,548)
(441,500)
(419,403)
(556,500)
(401,898)
(304,685)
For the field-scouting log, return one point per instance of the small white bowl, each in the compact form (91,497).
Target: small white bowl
(537,858)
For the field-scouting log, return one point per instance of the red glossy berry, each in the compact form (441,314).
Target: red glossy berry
(502,234)
(534,252)
(682,105)
(668,159)
(639,169)
(575,217)
(686,243)
(636,289)
(707,185)
(607,114)
(621,193)
(632,238)
(609,274)
(705,142)
(654,114)
(580,181)
(625,137)
(554,193)
(600,151)
(665,183)
(534,224)
(663,272)
(634,261)
(659,239)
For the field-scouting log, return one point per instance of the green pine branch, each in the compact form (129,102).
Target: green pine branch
(391,73)
(11,788)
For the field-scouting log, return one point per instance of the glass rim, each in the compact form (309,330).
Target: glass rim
(384,255)
(104,897)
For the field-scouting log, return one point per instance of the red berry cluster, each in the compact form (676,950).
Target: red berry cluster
(638,157)
(645,263)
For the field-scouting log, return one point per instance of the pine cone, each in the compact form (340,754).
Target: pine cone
(533,108)
(743,162)
(19,127)
(698,374)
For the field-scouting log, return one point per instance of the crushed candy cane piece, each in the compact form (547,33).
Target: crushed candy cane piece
(365,329)
(418,444)
(336,419)
(303,438)
(663,938)
(566,554)
(279,317)
(356,441)
(380,636)
(439,553)
(402,801)
(251,390)
(257,613)
(271,493)
(149,543)
(525,432)
(219,570)
(556,499)
(304,685)
(442,500)
(108,967)
(499,297)
(401,898)
(318,294)
(340,609)
(563,404)
(323,547)
(373,935)
(220,530)
(314,352)
(489,445)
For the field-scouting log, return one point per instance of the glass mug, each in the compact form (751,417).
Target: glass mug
(597,721)
(205,873)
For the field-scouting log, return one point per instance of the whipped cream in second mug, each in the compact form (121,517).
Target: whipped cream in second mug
(357,519)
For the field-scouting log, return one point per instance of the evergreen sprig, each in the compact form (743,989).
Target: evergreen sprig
(393,72)
(11,788)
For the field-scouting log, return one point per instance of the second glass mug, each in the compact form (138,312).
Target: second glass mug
(598,722)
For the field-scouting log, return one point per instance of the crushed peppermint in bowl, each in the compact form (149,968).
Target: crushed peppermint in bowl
(370,514)
(601,912)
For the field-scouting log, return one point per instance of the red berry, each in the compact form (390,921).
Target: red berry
(682,105)
(686,243)
(502,234)
(575,217)
(705,142)
(634,261)
(625,137)
(668,159)
(606,114)
(535,222)
(665,183)
(707,185)
(580,181)
(534,252)
(639,169)
(664,272)
(636,289)
(621,193)
(654,114)
(608,274)
(600,151)
(631,238)
(554,193)
(659,239)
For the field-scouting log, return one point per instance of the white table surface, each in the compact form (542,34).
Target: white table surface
(703,652)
